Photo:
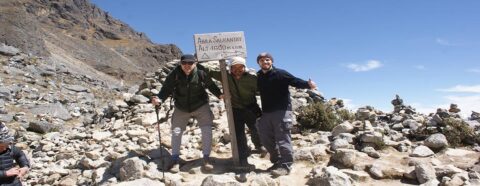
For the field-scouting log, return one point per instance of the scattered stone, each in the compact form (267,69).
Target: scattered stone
(422,151)
(436,141)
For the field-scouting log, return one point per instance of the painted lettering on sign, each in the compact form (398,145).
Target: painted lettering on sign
(216,46)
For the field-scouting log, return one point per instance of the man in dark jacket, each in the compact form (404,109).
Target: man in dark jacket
(243,88)
(187,83)
(10,157)
(276,122)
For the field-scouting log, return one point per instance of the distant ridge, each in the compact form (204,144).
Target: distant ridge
(83,32)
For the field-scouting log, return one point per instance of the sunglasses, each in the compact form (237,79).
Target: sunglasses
(187,62)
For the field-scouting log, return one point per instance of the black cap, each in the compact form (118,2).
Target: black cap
(264,54)
(188,58)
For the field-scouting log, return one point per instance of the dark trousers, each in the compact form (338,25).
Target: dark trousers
(274,129)
(241,118)
(10,181)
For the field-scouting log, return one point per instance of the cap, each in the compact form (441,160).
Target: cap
(264,54)
(238,60)
(188,58)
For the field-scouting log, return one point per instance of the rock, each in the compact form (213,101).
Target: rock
(132,168)
(220,180)
(371,152)
(8,50)
(422,151)
(454,108)
(139,99)
(7,118)
(436,141)
(350,158)
(425,172)
(344,127)
(461,158)
(261,180)
(76,88)
(447,170)
(382,171)
(319,152)
(141,182)
(329,176)
(99,136)
(412,124)
(68,180)
(41,127)
(303,154)
(358,176)
(340,143)
(52,109)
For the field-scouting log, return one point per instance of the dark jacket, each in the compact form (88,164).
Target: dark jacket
(273,87)
(7,161)
(188,91)
(247,88)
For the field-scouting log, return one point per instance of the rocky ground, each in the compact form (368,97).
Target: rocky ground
(79,130)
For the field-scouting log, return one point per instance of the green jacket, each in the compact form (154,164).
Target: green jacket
(188,91)
(247,87)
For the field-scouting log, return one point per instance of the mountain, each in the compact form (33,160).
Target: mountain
(80,34)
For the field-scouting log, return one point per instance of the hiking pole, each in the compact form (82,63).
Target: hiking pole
(157,108)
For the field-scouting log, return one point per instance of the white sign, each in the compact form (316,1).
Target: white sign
(216,46)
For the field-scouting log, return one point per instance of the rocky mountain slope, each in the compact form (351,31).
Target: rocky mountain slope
(80,131)
(80,34)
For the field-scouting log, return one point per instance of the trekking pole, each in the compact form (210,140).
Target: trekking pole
(157,108)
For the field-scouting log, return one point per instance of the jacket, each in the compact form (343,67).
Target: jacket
(247,88)
(7,161)
(273,87)
(188,91)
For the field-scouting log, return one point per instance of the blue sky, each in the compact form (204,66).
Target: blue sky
(364,52)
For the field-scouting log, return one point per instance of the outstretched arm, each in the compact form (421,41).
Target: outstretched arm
(294,81)
(212,87)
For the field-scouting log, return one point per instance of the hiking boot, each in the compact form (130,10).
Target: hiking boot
(281,171)
(207,166)
(274,166)
(175,168)
(242,178)
(262,151)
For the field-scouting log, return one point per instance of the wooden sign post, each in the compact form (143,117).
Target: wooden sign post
(221,46)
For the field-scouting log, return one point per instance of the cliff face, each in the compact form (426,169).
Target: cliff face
(79,31)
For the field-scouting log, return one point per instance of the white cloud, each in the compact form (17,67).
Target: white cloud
(462,89)
(475,70)
(443,42)
(419,107)
(349,104)
(369,65)
(466,104)
(419,67)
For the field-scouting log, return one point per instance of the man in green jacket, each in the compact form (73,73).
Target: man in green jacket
(187,84)
(243,87)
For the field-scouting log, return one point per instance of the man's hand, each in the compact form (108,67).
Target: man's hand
(12,172)
(312,84)
(221,96)
(22,171)
(155,101)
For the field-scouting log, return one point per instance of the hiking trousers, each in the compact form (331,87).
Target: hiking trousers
(274,130)
(241,118)
(204,117)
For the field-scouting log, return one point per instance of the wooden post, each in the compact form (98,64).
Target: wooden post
(228,108)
